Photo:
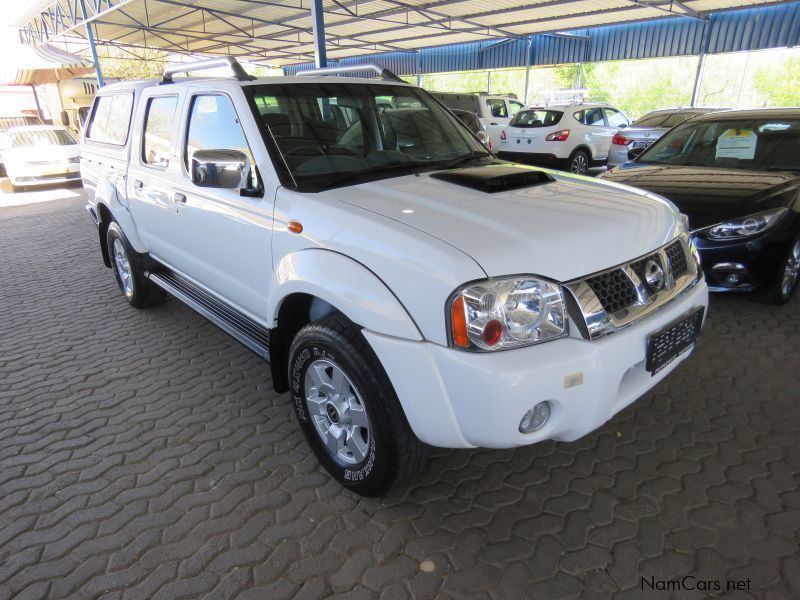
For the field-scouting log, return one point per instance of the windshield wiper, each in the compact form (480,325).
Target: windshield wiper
(465,158)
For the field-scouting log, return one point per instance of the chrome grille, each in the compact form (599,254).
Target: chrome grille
(613,299)
(676,255)
(614,289)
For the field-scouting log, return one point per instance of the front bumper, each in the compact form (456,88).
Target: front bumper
(43,175)
(460,399)
(755,262)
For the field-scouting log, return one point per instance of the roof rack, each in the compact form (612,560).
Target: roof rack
(382,72)
(201,65)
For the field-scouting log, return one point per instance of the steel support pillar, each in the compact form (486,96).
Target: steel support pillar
(318,21)
(38,105)
(90,36)
(701,65)
(419,68)
(528,61)
(698,79)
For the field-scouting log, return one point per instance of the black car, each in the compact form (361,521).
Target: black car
(736,175)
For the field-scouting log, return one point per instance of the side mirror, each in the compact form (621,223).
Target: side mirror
(65,118)
(225,169)
(623,125)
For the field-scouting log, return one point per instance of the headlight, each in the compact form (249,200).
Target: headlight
(499,314)
(745,227)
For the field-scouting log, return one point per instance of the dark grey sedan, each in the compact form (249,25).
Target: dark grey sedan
(632,140)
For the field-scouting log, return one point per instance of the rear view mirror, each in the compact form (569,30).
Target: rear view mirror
(225,169)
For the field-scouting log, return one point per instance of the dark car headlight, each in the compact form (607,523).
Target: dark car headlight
(745,227)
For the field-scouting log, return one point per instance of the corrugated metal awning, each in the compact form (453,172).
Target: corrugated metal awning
(35,65)
(279,32)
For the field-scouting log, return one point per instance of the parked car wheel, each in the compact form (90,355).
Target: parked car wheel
(127,266)
(579,162)
(348,410)
(788,274)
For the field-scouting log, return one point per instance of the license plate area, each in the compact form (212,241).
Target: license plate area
(641,144)
(669,343)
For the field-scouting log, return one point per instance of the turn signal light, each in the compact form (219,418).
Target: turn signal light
(458,322)
(620,140)
(558,136)
(295,226)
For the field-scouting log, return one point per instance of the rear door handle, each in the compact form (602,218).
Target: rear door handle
(137,184)
(180,198)
(492,123)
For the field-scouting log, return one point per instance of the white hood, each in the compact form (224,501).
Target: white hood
(563,229)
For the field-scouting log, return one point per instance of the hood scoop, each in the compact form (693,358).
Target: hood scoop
(495,178)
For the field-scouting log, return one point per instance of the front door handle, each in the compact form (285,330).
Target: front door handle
(180,198)
(138,184)
(492,123)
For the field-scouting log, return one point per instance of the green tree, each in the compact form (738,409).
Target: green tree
(120,64)
(779,82)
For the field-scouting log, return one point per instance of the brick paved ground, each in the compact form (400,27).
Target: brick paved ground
(144,455)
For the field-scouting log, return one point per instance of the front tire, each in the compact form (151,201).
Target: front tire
(788,274)
(579,162)
(126,263)
(348,410)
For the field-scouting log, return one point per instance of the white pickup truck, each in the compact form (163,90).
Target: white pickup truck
(407,288)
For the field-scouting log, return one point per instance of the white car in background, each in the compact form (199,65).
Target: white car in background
(41,154)
(573,136)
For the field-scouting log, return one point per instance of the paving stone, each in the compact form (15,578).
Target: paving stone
(144,455)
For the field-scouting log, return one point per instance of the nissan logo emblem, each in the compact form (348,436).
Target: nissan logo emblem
(654,274)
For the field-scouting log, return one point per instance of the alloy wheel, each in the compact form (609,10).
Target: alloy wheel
(123,266)
(579,164)
(337,411)
(791,270)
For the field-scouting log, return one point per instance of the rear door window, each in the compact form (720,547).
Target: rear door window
(111,119)
(591,117)
(514,107)
(615,118)
(497,108)
(159,123)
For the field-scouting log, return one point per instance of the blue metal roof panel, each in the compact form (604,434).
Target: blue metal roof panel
(772,26)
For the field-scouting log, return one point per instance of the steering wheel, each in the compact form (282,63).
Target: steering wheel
(296,149)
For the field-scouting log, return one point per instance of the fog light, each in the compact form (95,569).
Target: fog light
(535,418)
(733,279)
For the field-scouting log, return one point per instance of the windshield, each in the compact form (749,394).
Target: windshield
(331,134)
(537,117)
(43,137)
(769,144)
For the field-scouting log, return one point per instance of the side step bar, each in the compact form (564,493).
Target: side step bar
(253,335)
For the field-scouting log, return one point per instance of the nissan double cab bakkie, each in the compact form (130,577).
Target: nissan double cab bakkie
(407,288)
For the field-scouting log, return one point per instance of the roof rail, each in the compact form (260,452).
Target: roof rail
(382,72)
(201,65)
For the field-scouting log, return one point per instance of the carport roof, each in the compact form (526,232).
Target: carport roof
(279,32)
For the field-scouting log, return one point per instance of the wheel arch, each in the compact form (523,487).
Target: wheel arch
(312,284)
(109,208)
